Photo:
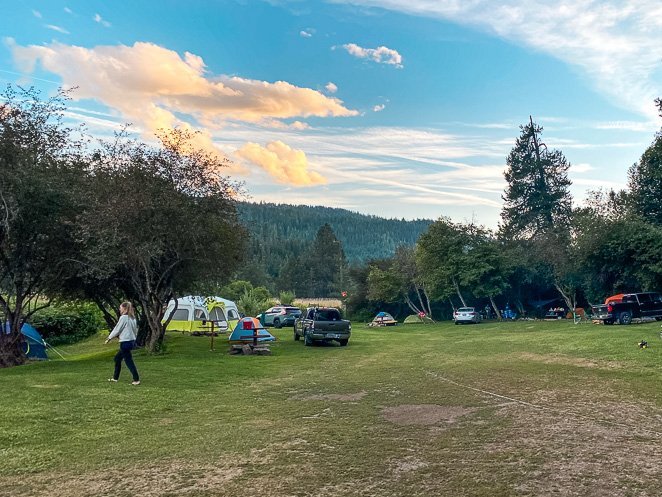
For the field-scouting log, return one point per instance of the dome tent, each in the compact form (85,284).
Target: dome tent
(383,319)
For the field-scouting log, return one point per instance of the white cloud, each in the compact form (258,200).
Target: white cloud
(57,28)
(306,33)
(381,55)
(379,108)
(618,43)
(331,88)
(68,10)
(581,168)
(37,14)
(101,20)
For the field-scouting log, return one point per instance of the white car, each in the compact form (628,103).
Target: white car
(467,315)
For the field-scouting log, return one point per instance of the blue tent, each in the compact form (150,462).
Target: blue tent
(243,331)
(34,345)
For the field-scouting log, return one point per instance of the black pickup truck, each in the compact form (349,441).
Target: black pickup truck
(632,306)
(322,324)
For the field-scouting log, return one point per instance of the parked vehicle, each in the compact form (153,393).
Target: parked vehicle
(467,315)
(280,315)
(322,324)
(630,306)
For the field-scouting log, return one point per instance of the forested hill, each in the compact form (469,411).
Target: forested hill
(289,228)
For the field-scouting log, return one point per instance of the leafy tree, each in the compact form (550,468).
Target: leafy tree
(159,221)
(40,167)
(440,257)
(645,181)
(401,282)
(486,271)
(537,200)
(235,289)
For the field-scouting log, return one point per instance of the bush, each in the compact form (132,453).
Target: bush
(68,323)
(252,303)
(286,298)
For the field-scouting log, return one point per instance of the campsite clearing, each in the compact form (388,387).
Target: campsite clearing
(504,409)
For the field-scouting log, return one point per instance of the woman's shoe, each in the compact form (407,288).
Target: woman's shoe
(112,380)
(135,382)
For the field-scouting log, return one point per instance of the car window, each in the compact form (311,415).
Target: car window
(465,309)
(656,297)
(328,315)
(180,315)
(629,298)
(644,297)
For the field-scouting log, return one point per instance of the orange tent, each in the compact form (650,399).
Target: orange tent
(615,298)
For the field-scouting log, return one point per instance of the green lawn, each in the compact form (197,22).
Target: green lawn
(497,409)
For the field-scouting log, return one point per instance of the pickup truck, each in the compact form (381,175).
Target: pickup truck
(631,306)
(322,324)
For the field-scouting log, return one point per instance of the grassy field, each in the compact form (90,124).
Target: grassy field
(497,409)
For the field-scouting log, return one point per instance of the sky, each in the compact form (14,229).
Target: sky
(397,108)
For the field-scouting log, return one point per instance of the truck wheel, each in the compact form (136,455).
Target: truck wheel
(625,318)
(344,342)
(296,336)
(658,318)
(307,341)
(277,323)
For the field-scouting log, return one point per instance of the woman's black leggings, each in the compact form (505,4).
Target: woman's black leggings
(125,353)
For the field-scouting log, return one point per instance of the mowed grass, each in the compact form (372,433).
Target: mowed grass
(496,409)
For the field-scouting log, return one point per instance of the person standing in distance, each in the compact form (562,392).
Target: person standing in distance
(125,330)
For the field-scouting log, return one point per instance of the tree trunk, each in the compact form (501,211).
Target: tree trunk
(411,305)
(11,352)
(569,300)
(459,294)
(496,309)
(153,310)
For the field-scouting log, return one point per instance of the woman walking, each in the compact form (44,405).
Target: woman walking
(125,330)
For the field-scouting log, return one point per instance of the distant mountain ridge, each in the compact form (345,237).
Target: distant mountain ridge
(282,230)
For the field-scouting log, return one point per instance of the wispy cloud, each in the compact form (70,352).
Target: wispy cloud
(68,10)
(378,108)
(617,43)
(306,33)
(331,88)
(97,18)
(57,28)
(381,55)
(37,14)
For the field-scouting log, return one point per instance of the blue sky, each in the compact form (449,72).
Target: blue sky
(394,108)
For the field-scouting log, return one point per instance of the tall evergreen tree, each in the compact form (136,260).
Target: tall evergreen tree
(645,181)
(325,264)
(537,199)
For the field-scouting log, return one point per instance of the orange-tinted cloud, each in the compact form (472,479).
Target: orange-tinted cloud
(156,88)
(287,165)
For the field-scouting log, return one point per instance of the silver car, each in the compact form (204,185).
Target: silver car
(467,315)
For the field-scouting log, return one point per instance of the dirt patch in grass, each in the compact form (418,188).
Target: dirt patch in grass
(175,478)
(590,449)
(424,414)
(569,361)
(340,397)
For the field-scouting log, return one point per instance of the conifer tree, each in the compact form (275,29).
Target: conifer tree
(537,199)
